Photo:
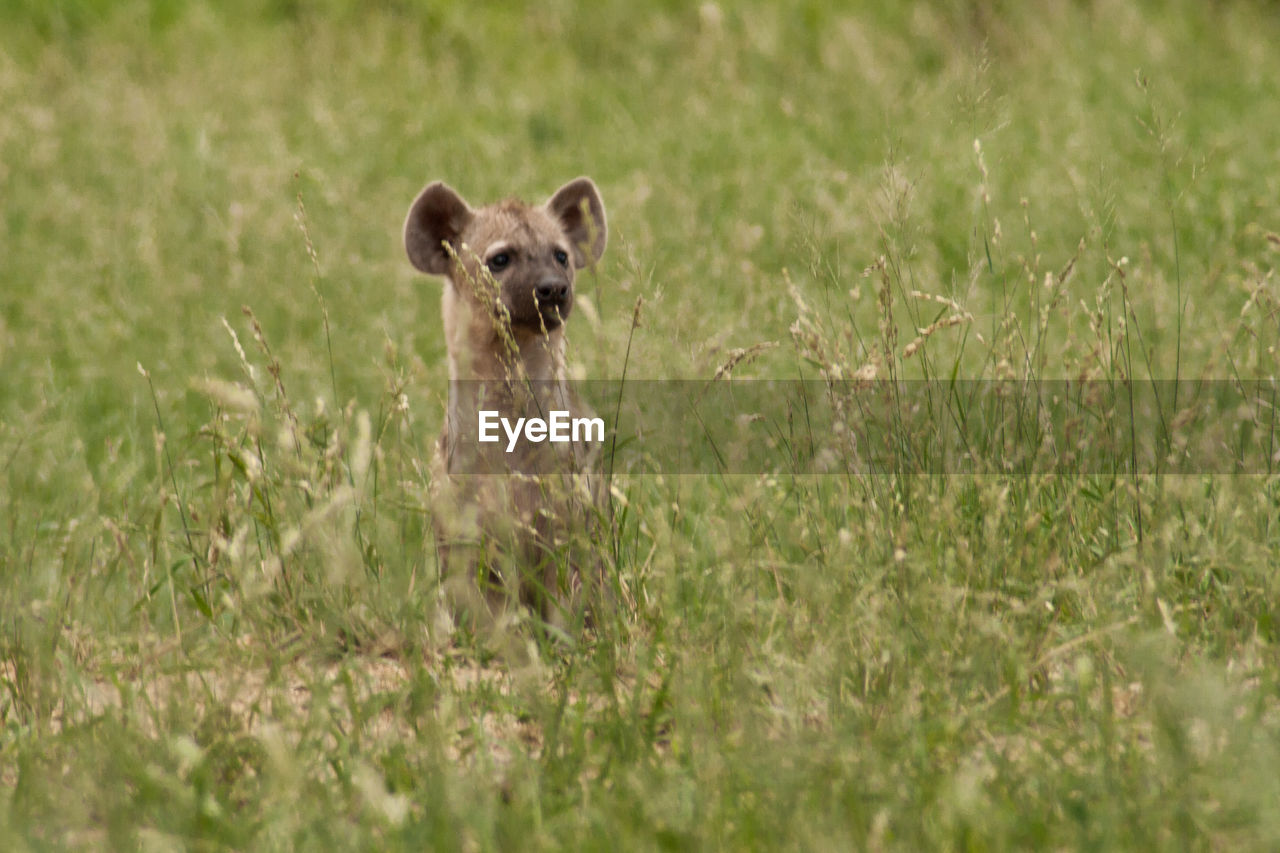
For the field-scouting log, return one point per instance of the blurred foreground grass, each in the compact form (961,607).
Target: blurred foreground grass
(218,608)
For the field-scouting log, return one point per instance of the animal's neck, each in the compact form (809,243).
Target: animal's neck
(512,371)
(517,357)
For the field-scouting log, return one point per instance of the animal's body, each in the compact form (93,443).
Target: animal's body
(512,523)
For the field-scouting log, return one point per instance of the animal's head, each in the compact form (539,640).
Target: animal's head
(530,252)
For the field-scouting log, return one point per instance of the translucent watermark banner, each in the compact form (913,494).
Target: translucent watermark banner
(879,427)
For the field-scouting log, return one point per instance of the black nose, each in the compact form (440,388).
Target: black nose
(551,292)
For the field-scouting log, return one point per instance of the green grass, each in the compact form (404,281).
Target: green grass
(220,622)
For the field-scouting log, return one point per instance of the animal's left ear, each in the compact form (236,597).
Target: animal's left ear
(581,213)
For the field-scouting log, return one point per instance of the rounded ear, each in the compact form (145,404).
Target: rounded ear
(578,207)
(438,216)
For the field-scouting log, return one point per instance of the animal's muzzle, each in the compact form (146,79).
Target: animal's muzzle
(551,294)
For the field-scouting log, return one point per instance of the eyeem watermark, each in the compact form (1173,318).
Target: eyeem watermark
(934,427)
(559,427)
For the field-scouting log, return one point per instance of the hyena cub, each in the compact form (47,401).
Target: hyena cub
(509,271)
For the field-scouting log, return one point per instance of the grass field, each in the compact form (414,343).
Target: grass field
(220,379)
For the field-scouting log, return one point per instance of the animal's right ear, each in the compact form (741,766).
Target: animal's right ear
(438,216)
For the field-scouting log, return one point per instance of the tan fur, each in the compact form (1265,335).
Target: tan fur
(504,331)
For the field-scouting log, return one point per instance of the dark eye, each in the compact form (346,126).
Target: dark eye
(499,262)
(562,257)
